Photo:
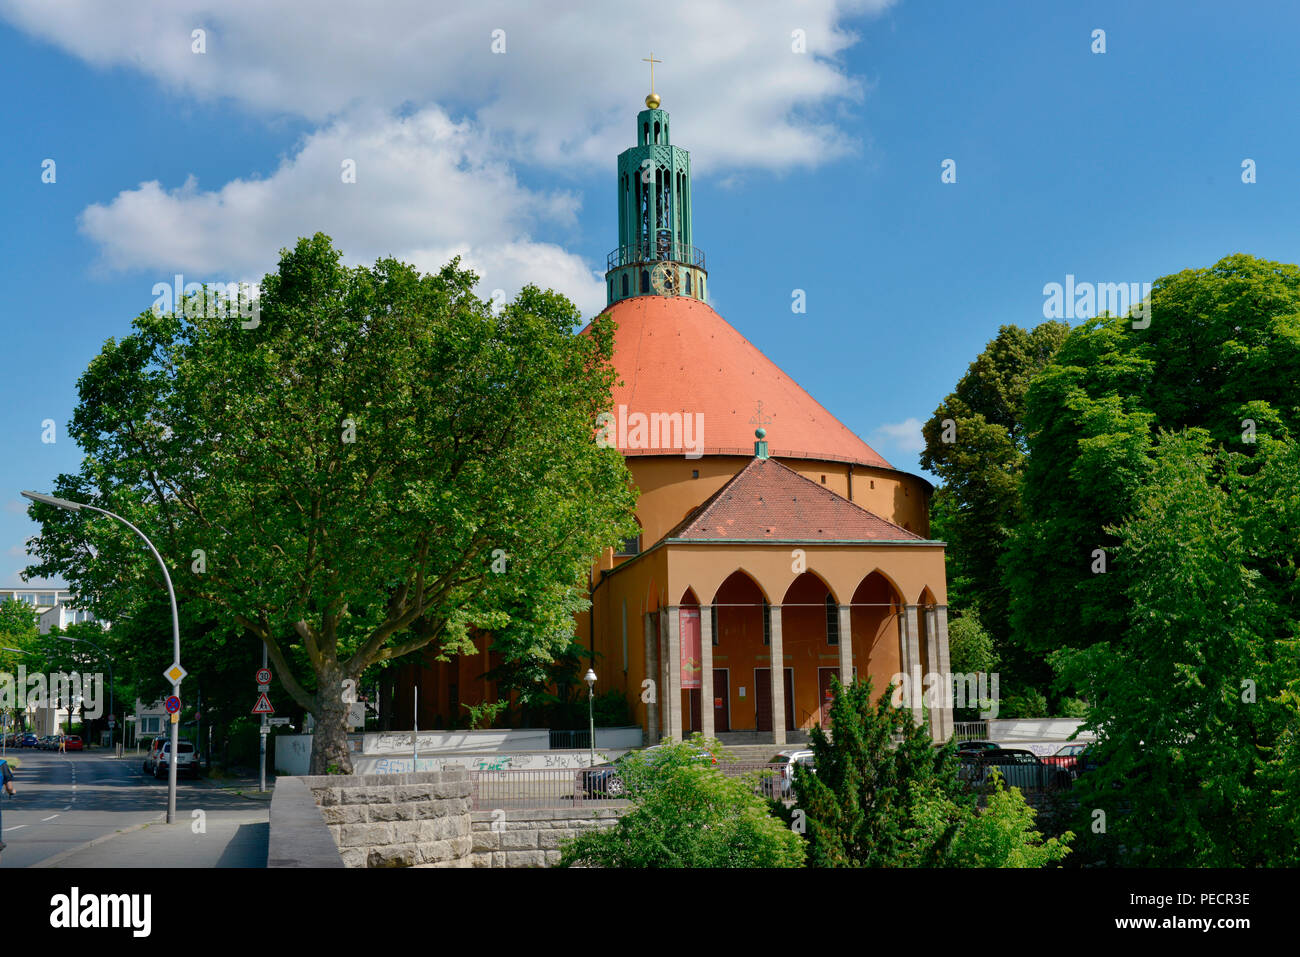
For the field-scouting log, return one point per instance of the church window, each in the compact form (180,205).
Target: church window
(656,131)
(611,289)
(629,546)
(832,622)
(688,282)
(645,280)
(624,285)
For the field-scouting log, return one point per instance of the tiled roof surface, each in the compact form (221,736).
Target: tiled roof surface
(767,500)
(678,355)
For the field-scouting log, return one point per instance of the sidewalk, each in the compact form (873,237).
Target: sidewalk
(231,830)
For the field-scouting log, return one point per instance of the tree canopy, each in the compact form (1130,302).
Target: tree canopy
(380,462)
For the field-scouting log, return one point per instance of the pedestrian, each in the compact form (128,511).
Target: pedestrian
(63,744)
(7,775)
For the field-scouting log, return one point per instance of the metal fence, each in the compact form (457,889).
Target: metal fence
(970,730)
(557,788)
(570,740)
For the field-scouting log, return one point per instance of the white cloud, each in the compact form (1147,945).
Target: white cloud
(423,193)
(903,436)
(437,121)
(564,92)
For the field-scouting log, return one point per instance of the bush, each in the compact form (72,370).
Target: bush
(687,814)
(1074,708)
(1031,704)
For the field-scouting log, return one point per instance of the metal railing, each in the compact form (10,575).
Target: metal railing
(970,730)
(555,788)
(570,740)
(655,251)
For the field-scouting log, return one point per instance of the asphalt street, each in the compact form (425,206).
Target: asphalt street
(65,801)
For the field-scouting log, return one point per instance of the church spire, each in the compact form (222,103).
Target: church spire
(655,255)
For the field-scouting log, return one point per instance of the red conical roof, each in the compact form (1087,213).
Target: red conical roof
(675,354)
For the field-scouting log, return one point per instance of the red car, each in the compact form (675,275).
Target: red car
(1068,758)
(73,742)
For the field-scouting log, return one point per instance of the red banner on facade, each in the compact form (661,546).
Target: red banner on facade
(692,667)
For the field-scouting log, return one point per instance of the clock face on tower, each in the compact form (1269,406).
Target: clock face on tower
(663,279)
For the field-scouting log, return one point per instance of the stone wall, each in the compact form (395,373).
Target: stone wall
(397,820)
(531,838)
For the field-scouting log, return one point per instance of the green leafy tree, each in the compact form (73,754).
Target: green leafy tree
(1221,352)
(380,462)
(687,813)
(1196,704)
(1002,834)
(976,443)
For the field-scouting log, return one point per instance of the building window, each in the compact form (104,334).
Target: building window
(832,622)
(695,473)
(629,546)
(611,289)
(688,282)
(645,280)
(624,285)
(713,619)
(767,623)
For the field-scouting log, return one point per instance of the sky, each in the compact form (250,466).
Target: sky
(821,133)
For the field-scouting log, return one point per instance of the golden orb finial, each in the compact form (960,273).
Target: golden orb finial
(652,101)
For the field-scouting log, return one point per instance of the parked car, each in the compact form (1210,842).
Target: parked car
(1019,769)
(978,746)
(151,754)
(27,740)
(73,742)
(187,761)
(604,781)
(787,760)
(49,743)
(1072,758)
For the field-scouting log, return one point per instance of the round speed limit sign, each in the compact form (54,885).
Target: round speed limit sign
(263,676)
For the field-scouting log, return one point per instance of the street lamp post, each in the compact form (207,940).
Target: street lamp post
(590,678)
(176,628)
(109,662)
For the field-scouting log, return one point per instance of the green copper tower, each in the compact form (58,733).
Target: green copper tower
(655,255)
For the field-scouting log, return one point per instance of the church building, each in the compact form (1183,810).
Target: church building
(776,548)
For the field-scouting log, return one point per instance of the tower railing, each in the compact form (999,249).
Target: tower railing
(655,251)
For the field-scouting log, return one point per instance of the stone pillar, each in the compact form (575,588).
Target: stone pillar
(778,678)
(846,645)
(673,706)
(941,642)
(938,694)
(652,672)
(912,665)
(706,668)
(665,679)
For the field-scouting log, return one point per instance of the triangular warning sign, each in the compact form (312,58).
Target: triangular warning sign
(263,705)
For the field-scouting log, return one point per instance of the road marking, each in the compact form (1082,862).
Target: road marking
(16,827)
(67,807)
(50,818)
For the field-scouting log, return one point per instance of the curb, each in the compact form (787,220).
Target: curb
(55,860)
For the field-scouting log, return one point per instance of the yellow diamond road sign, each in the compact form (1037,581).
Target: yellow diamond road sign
(175,673)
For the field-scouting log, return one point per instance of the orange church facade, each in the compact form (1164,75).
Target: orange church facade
(777,549)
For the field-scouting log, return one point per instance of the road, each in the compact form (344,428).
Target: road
(64,801)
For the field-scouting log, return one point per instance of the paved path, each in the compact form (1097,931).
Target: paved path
(93,810)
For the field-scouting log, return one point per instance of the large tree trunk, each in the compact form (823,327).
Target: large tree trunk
(329,743)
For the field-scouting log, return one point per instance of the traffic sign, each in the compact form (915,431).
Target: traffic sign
(263,705)
(112,721)
(263,676)
(175,673)
(172,704)
(279,721)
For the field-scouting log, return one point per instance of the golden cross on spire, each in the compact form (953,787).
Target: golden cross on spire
(652,101)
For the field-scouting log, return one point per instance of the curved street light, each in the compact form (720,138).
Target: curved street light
(176,627)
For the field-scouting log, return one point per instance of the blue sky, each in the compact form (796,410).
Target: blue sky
(817,171)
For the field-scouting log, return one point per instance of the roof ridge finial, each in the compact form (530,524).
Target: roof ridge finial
(760,446)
